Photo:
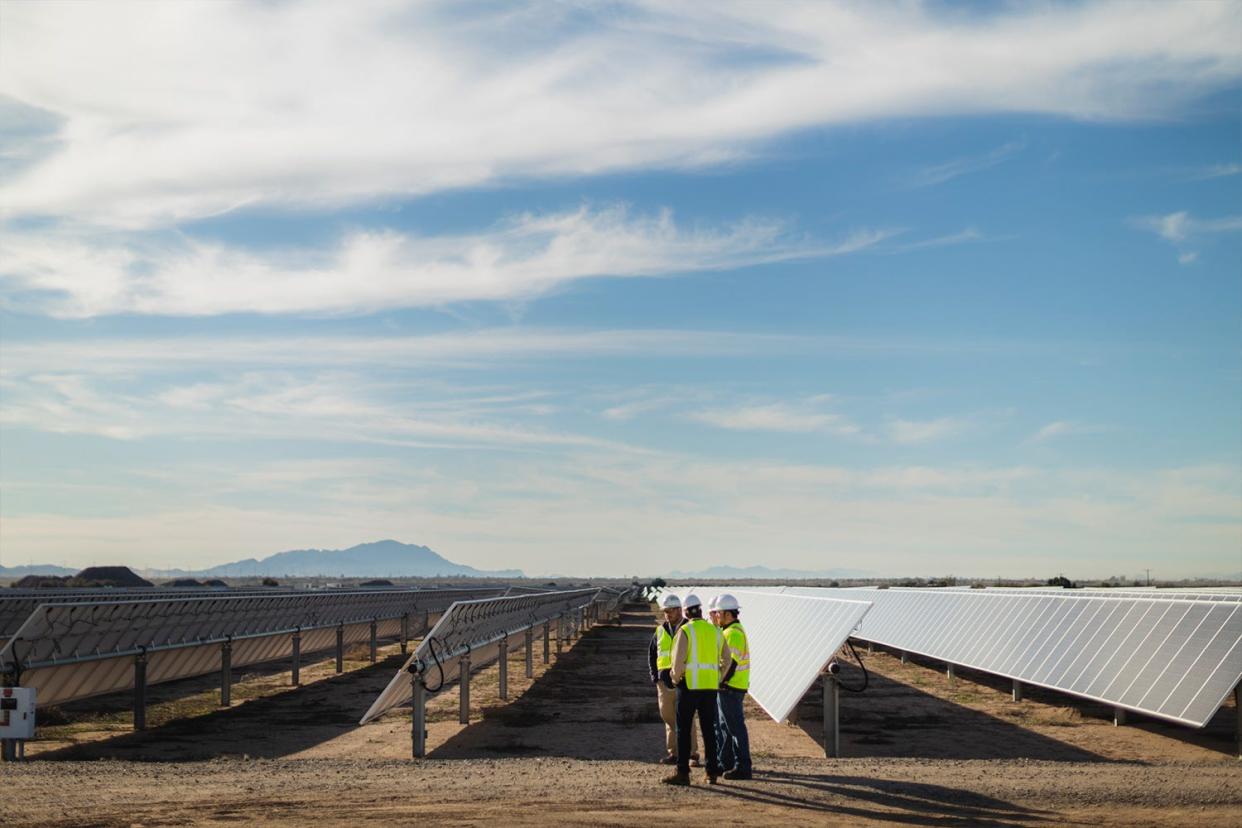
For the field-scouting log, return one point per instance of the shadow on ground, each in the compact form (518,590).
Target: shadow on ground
(892,719)
(893,801)
(273,725)
(600,684)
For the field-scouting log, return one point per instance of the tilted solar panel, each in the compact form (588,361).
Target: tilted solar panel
(1170,657)
(475,628)
(75,650)
(791,639)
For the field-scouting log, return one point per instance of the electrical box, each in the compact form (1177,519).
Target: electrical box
(17,712)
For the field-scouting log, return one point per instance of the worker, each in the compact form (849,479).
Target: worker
(660,663)
(700,658)
(733,742)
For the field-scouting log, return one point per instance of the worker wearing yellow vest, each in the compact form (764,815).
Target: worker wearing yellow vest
(733,742)
(700,658)
(660,665)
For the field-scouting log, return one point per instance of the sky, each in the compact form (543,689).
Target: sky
(919,289)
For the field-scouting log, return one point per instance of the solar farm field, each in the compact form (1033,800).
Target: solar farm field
(576,743)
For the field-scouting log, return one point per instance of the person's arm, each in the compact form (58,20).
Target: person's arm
(726,659)
(652,648)
(681,648)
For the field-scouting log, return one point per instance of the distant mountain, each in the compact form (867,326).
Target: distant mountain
(762,572)
(379,559)
(34,569)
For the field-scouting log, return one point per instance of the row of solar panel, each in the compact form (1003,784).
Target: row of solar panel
(1170,656)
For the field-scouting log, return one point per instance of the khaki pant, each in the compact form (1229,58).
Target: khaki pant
(668,712)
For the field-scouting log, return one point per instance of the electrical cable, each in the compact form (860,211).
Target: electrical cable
(866,675)
(435,657)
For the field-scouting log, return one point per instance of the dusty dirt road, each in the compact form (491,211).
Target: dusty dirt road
(576,744)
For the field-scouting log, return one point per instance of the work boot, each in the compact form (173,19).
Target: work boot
(670,759)
(737,774)
(678,778)
(694,761)
(712,778)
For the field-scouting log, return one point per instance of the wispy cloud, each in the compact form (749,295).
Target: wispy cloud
(965,236)
(278,104)
(1183,229)
(910,432)
(1062,428)
(525,257)
(804,417)
(1216,171)
(947,171)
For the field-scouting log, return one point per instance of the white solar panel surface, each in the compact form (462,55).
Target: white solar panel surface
(791,638)
(475,628)
(1166,656)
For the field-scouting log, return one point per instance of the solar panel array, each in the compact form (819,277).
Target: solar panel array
(475,629)
(78,649)
(1167,656)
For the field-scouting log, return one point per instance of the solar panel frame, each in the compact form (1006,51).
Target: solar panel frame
(475,629)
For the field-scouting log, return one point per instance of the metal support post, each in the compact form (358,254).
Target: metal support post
(297,657)
(547,643)
(340,649)
(832,711)
(418,730)
(1017,690)
(905,657)
(373,641)
(951,673)
(405,634)
(560,635)
(226,672)
(426,621)
(504,668)
(530,652)
(1119,716)
(870,648)
(140,691)
(463,708)
(1237,713)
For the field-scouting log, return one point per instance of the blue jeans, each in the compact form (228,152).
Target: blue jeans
(733,743)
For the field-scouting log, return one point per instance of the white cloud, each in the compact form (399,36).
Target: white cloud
(1188,258)
(925,431)
(369,271)
(180,110)
(780,416)
(1216,171)
(1182,226)
(1062,428)
(947,171)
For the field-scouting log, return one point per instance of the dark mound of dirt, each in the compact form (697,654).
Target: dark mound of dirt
(42,582)
(108,576)
(215,582)
(184,582)
(378,582)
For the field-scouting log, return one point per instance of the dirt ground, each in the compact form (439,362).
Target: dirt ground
(577,743)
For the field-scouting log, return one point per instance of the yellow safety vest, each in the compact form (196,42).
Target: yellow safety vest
(703,654)
(664,648)
(735,637)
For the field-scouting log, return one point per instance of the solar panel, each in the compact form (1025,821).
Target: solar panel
(78,649)
(1167,656)
(791,639)
(475,629)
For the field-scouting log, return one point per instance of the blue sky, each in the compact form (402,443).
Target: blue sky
(624,289)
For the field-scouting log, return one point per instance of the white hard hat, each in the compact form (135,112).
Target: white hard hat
(692,600)
(725,603)
(711,605)
(671,601)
